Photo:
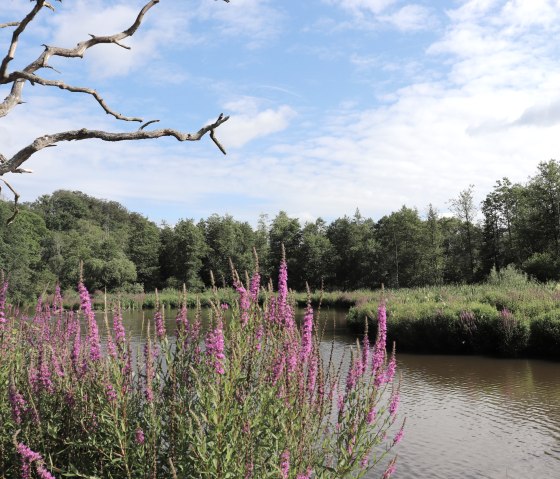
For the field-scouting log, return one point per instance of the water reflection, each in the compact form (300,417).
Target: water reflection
(467,417)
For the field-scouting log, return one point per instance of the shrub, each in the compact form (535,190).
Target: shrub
(252,397)
(545,334)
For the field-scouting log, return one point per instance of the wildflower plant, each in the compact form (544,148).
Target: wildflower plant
(252,395)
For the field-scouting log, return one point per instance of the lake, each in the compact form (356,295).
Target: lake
(467,416)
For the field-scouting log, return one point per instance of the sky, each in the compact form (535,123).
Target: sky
(334,104)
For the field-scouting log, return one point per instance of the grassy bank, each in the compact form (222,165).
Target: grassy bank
(506,319)
(171,298)
(509,316)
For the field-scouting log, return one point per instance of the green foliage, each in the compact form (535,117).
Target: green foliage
(545,334)
(510,277)
(402,249)
(258,400)
(506,318)
(20,252)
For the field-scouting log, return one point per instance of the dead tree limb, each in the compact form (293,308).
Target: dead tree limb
(18,78)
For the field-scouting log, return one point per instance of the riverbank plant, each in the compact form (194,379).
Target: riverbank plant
(251,396)
(506,318)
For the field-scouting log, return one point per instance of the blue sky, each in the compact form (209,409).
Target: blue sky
(335,104)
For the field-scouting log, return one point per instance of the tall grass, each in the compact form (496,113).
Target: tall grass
(509,316)
(253,396)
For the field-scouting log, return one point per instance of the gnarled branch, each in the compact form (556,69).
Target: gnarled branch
(32,78)
(9,24)
(19,78)
(13,164)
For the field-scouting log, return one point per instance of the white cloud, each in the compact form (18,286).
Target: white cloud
(248,122)
(410,18)
(363,6)
(255,21)
(371,14)
(491,110)
(99,17)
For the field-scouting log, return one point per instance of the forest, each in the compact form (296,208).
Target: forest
(516,224)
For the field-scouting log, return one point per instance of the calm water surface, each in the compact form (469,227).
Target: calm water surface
(467,417)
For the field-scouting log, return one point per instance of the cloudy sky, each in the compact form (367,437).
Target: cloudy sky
(335,104)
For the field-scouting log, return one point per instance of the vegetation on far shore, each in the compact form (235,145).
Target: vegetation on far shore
(516,224)
(507,316)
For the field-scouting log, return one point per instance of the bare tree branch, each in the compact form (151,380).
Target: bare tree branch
(13,164)
(16,199)
(19,78)
(15,36)
(9,24)
(32,78)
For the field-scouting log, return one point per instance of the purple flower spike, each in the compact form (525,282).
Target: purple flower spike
(139,436)
(93,331)
(18,403)
(394,405)
(306,334)
(215,348)
(244,302)
(3,291)
(255,286)
(160,325)
(285,464)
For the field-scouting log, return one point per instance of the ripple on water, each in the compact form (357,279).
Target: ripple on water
(479,418)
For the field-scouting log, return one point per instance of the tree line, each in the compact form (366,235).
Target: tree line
(516,224)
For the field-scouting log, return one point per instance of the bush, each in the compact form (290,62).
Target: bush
(258,400)
(545,334)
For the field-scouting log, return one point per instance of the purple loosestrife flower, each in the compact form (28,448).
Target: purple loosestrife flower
(76,350)
(160,324)
(307,334)
(244,302)
(278,366)
(284,311)
(364,461)
(215,348)
(371,416)
(182,321)
(258,336)
(3,291)
(111,348)
(139,436)
(43,473)
(111,393)
(45,372)
(398,437)
(58,308)
(312,375)
(291,349)
(394,405)
(249,470)
(390,469)
(149,392)
(307,475)
(354,373)
(391,368)
(27,457)
(118,328)
(285,464)
(379,353)
(255,286)
(17,402)
(93,331)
